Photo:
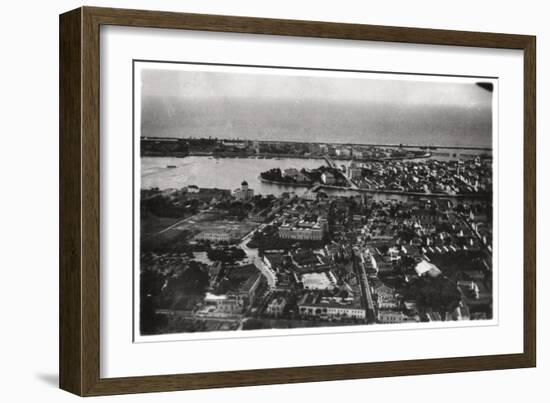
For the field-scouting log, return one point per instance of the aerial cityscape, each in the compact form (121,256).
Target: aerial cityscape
(238,233)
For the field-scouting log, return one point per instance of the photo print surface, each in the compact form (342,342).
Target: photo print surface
(271,198)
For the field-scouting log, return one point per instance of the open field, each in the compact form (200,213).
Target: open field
(161,231)
(152,225)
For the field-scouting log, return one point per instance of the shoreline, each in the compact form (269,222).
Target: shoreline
(392,145)
(300,185)
(379,191)
(279,156)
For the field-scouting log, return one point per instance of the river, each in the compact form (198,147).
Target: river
(228,173)
(222,173)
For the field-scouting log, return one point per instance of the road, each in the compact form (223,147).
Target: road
(360,272)
(255,258)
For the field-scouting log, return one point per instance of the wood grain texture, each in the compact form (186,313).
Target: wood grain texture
(70,270)
(80,195)
(530,202)
(90,202)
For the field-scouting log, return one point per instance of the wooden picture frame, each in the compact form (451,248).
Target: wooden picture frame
(79,348)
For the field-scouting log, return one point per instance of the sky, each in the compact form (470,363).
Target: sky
(301,105)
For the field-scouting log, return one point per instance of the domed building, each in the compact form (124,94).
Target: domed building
(243,193)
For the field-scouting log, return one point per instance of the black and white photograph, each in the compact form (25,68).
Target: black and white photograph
(269,197)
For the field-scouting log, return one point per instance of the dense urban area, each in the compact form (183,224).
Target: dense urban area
(331,253)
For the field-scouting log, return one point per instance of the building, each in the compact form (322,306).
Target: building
(311,305)
(386,297)
(424,267)
(319,281)
(369,262)
(388,317)
(220,235)
(225,304)
(355,173)
(309,196)
(236,299)
(356,153)
(303,231)
(433,317)
(276,307)
(243,193)
(328,178)
(343,152)
(214,269)
(469,289)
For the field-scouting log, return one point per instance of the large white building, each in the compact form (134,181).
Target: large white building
(319,281)
(243,193)
(217,236)
(301,234)
(225,304)
(424,268)
(304,231)
(310,306)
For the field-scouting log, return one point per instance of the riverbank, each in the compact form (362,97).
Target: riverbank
(292,184)
(377,191)
(412,194)
(228,173)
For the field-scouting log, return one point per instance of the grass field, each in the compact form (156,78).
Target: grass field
(153,225)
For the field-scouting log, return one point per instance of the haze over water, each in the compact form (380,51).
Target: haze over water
(327,108)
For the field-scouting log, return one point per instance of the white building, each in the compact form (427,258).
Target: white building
(393,317)
(386,297)
(225,304)
(313,233)
(332,310)
(276,306)
(424,267)
(343,152)
(217,236)
(319,281)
